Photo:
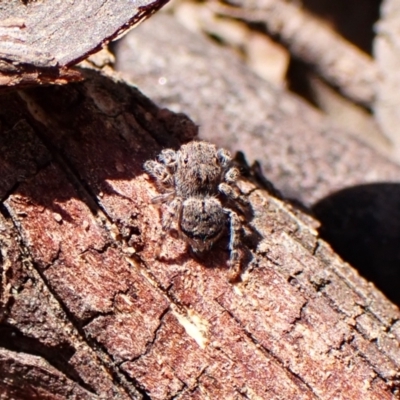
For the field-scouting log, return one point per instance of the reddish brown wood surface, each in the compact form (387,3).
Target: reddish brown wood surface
(89,311)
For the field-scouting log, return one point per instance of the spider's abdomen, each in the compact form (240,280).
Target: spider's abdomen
(202,221)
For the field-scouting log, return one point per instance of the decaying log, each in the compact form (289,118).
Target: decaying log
(89,310)
(41,40)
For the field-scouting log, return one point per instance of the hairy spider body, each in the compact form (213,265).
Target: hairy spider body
(202,222)
(195,182)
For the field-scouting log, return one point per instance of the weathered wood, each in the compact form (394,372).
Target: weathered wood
(41,40)
(89,309)
(87,302)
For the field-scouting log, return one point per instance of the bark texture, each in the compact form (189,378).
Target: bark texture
(40,40)
(88,310)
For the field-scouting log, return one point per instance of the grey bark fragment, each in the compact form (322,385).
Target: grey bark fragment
(40,40)
(343,65)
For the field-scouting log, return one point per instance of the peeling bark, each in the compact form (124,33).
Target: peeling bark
(41,40)
(88,310)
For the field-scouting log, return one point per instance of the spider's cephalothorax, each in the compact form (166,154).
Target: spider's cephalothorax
(196,182)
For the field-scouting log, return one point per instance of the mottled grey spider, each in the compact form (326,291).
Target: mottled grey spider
(197,182)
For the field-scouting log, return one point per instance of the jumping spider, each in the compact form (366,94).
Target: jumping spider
(197,182)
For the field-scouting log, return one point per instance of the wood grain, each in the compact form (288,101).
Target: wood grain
(86,301)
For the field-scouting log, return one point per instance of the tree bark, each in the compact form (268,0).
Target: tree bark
(90,309)
(300,151)
(387,54)
(40,41)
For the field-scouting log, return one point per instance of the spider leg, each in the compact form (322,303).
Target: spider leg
(163,198)
(224,157)
(168,158)
(232,192)
(160,173)
(234,244)
(172,214)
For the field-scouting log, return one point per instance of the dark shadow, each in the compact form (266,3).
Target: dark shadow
(94,142)
(58,356)
(353,21)
(362,224)
(299,75)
